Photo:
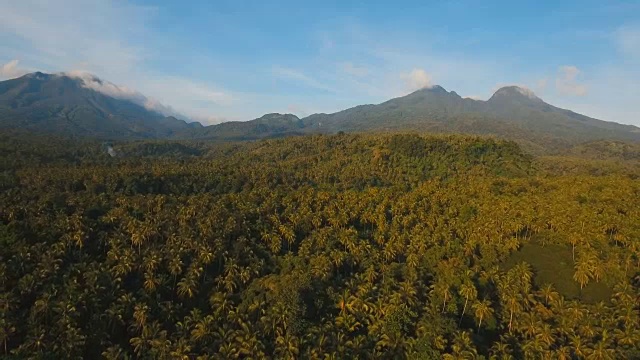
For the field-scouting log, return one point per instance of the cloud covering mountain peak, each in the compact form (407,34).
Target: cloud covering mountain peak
(93,82)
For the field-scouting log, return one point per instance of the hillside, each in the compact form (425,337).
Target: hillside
(64,105)
(267,126)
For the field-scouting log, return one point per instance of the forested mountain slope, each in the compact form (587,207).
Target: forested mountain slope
(344,246)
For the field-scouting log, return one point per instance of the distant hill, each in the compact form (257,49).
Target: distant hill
(267,126)
(65,105)
(512,112)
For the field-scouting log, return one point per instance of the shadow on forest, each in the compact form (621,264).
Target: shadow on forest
(552,264)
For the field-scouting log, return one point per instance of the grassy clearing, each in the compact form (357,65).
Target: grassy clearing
(552,264)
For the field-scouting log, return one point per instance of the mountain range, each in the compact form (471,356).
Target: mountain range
(66,105)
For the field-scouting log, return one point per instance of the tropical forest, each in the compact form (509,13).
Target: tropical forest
(394,245)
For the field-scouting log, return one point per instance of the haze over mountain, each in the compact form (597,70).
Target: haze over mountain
(70,105)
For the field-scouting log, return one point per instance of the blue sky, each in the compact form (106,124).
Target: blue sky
(236,60)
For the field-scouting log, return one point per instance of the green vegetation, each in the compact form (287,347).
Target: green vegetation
(322,247)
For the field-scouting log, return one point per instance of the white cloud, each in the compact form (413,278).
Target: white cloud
(417,79)
(357,71)
(566,81)
(91,81)
(11,70)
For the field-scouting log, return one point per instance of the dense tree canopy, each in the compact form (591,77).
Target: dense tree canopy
(326,247)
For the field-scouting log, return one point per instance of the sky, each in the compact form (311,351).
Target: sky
(215,61)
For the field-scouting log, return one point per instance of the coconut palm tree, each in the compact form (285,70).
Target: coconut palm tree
(547,293)
(582,273)
(482,310)
(468,291)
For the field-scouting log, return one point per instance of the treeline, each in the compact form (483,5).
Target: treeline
(332,247)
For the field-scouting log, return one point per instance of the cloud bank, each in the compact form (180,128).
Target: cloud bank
(92,82)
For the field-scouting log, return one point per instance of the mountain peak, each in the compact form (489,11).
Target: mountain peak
(278,116)
(515,91)
(429,91)
(434,88)
(38,76)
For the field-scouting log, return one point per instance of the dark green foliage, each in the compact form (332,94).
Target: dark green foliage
(408,145)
